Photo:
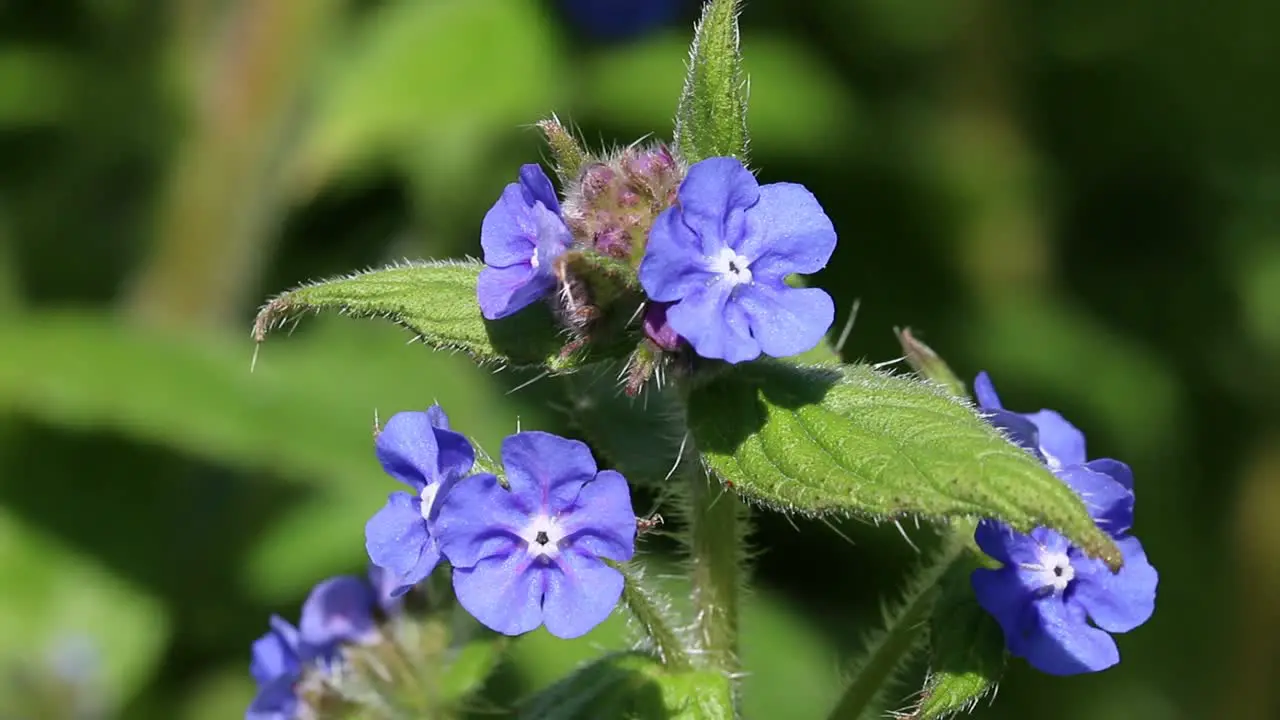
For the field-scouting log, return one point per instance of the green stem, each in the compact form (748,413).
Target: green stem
(649,609)
(904,629)
(715,547)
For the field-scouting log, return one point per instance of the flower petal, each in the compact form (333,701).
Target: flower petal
(713,200)
(505,291)
(384,586)
(1117,470)
(1021,431)
(546,472)
(479,519)
(1003,594)
(602,522)
(985,391)
(509,232)
(1060,441)
(397,540)
(580,593)
(1109,503)
(276,700)
(715,326)
(1056,639)
(537,187)
(787,232)
(338,610)
(554,238)
(504,592)
(674,265)
(1002,543)
(415,451)
(275,653)
(786,321)
(1117,602)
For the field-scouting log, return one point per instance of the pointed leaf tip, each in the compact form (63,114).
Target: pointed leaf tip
(436,300)
(711,120)
(852,440)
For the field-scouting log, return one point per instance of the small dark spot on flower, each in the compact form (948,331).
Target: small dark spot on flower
(541,538)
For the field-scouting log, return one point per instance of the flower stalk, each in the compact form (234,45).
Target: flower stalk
(647,606)
(902,635)
(715,540)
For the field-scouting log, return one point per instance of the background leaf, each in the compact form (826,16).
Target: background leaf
(68,603)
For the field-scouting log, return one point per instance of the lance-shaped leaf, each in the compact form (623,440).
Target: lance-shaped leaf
(967,652)
(633,685)
(711,120)
(436,300)
(852,440)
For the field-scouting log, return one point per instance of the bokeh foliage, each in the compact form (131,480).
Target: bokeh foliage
(1082,198)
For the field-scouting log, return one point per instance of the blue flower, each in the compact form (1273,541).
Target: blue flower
(338,611)
(621,19)
(532,555)
(276,667)
(521,235)
(419,450)
(1047,434)
(1056,606)
(721,257)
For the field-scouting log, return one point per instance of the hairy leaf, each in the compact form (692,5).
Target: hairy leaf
(436,300)
(852,440)
(711,120)
(633,685)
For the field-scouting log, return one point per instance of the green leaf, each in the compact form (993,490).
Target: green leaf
(305,415)
(851,440)
(436,300)
(56,600)
(967,656)
(711,120)
(633,685)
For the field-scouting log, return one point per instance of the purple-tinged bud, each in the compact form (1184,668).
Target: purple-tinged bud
(596,180)
(615,201)
(614,242)
(657,329)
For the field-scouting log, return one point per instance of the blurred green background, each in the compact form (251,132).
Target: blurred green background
(1082,197)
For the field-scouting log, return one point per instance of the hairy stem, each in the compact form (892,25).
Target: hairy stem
(715,546)
(652,612)
(905,627)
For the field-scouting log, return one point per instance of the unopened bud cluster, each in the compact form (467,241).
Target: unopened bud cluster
(615,200)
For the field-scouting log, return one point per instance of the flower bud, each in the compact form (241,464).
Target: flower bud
(615,201)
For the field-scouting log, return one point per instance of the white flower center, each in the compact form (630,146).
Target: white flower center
(1054,570)
(429,498)
(533,260)
(731,266)
(543,535)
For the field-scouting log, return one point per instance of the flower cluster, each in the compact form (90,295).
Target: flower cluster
(526,553)
(708,252)
(1056,605)
(339,611)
